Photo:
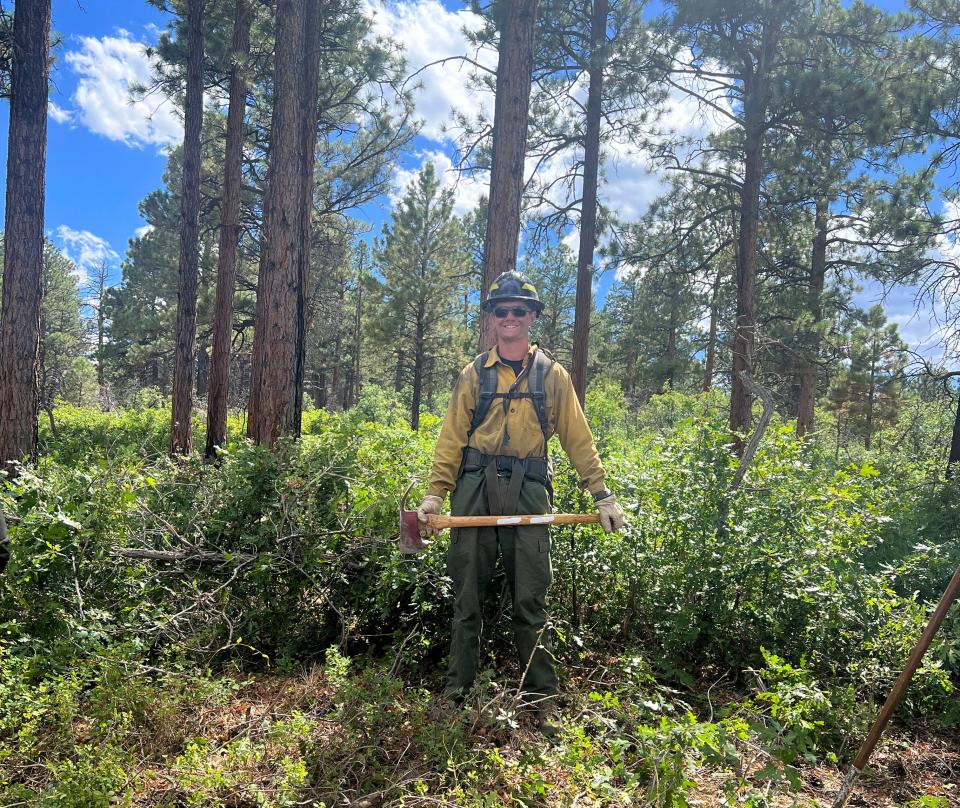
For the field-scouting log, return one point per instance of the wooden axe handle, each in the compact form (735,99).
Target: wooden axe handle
(442,522)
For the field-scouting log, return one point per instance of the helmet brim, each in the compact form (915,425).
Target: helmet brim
(490,304)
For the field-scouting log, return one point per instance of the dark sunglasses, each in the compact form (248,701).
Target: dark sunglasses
(516,311)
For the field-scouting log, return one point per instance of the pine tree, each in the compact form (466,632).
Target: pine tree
(218,394)
(23,253)
(516,23)
(421,258)
(554,273)
(866,395)
(64,367)
(181,436)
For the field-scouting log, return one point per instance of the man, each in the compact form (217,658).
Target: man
(491,454)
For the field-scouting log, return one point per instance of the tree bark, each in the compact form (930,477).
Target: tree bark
(309,88)
(357,343)
(811,340)
(181,438)
(511,111)
(712,338)
(588,205)
(218,395)
(754,103)
(419,359)
(670,354)
(23,227)
(335,397)
(954,457)
(871,395)
(273,366)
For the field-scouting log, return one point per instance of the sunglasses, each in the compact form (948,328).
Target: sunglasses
(517,311)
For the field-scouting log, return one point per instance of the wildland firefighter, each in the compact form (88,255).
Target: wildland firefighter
(491,455)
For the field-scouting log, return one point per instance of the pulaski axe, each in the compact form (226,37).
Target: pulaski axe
(411,542)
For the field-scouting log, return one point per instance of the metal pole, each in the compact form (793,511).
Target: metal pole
(899,689)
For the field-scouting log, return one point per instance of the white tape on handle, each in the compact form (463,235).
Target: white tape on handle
(509,520)
(541,520)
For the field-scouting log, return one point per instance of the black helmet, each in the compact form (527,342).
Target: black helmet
(512,286)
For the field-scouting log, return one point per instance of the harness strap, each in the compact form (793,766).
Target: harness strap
(536,467)
(536,369)
(498,504)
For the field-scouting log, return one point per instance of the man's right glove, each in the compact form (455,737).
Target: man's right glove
(431,504)
(611,514)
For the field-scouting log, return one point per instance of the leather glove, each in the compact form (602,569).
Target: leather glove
(611,514)
(430,504)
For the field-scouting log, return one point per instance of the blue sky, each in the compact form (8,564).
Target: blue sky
(93,182)
(106,153)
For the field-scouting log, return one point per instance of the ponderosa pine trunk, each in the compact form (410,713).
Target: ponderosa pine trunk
(669,376)
(219,391)
(712,336)
(511,113)
(23,227)
(271,411)
(811,341)
(754,104)
(181,437)
(588,204)
(357,345)
(419,360)
(954,458)
(871,395)
(743,336)
(309,88)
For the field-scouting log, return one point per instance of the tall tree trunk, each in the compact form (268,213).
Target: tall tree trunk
(181,438)
(203,368)
(954,457)
(712,338)
(218,396)
(871,397)
(23,227)
(588,204)
(743,335)
(335,397)
(419,358)
(811,340)
(309,88)
(398,372)
(511,110)
(357,340)
(273,366)
(670,354)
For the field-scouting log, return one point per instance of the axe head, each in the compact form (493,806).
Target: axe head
(410,541)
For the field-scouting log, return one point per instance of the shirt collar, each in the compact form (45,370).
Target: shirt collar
(494,356)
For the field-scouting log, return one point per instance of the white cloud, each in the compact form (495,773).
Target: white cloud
(467,190)
(86,250)
(108,68)
(58,113)
(428,32)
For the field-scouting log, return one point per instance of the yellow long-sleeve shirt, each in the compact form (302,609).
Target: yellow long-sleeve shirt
(514,431)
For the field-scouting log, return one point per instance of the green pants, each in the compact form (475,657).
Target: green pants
(471,562)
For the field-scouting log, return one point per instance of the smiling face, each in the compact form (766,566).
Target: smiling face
(514,326)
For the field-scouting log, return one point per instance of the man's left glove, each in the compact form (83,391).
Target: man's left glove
(611,514)
(431,504)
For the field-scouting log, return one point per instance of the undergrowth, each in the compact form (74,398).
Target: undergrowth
(244,632)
